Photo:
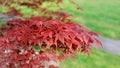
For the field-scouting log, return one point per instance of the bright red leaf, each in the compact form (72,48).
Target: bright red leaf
(18,39)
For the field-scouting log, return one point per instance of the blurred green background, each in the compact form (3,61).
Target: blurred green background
(102,16)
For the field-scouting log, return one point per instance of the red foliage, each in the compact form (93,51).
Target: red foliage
(35,5)
(20,36)
(29,4)
(13,11)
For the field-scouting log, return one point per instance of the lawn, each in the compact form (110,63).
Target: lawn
(97,59)
(101,16)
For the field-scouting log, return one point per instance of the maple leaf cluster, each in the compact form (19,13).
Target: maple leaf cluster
(33,42)
(37,6)
(33,4)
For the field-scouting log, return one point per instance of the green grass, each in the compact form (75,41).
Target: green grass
(97,59)
(102,16)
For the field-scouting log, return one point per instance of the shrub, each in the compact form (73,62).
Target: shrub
(40,42)
(33,42)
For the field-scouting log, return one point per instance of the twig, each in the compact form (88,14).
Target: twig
(5,3)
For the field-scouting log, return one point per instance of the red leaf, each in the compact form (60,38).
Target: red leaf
(49,34)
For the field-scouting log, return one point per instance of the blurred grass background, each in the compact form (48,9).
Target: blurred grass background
(101,16)
(97,59)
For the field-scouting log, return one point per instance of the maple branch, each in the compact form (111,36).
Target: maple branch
(4,2)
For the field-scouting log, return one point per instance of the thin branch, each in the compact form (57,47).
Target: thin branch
(4,2)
